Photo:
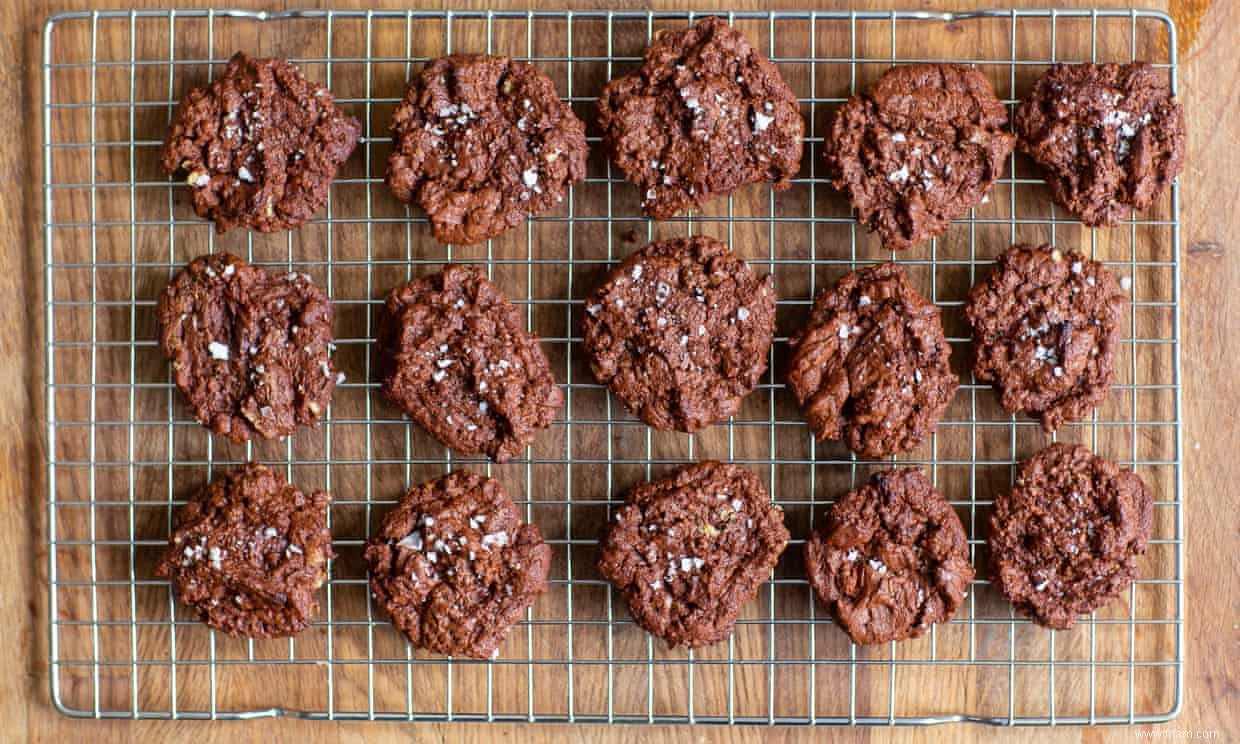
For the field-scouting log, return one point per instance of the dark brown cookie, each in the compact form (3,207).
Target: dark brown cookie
(1109,137)
(248,553)
(259,146)
(680,332)
(706,114)
(1066,540)
(480,143)
(455,356)
(872,367)
(250,351)
(688,551)
(454,566)
(918,149)
(892,559)
(1045,330)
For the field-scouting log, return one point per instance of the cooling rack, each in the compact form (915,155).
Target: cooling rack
(124,452)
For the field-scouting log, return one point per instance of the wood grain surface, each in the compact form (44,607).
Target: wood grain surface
(1209,85)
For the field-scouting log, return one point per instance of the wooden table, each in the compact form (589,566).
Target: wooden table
(1209,83)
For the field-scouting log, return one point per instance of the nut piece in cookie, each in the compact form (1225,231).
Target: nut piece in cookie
(259,146)
(455,356)
(250,351)
(892,559)
(706,114)
(688,551)
(918,149)
(680,332)
(454,566)
(481,143)
(248,553)
(872,367)
(1045,330)
(1066,540)
(1109,137)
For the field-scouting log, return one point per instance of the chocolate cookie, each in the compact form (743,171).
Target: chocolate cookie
(680,332)
(872,367)
(1109,137)
(706,114)
(1066,539)
(689,550)
(455,356)
(454,566)
(248,553)
(481,143)
(1045,330)
(892,559)
(918,149)
(259,146)
(250,351)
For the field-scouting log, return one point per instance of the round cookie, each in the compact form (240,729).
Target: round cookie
(1045,329)
(259,146)
(1109,137)
(918,149)
(454,566)
(706,114)
(455,356)
(872,366)
(688,551)
(248,553)
(480,143)
(680,332)
(1065,541)
(892,559)
(250,350)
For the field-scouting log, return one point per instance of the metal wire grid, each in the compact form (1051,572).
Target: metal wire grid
(120,647)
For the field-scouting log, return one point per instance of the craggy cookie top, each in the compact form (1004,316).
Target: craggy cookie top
(688,551)
(680,332)
(454,566)
(259,146)
(872,366)
(1067,538)
(1045,329)
(891,560)
(919,148)
(250,350)
(1109,137)
(248,552)
(706,114)
(455,356)
(480,143)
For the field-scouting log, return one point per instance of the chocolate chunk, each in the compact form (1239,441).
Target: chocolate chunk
(259,146)
(680,332)
(249,350)
(688,551)
(1066,540)
(706,114)
(872,367)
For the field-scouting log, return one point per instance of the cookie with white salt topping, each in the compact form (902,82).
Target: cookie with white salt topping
(259,146)
(1109,137)
(248,553)
(690,550)
(1067,539)
(706,114)
(481,143)
(1046,325)
(891,560)
(680,332)
(454,355)
(454,565)
(250,350)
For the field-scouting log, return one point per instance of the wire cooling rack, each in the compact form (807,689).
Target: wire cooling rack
(124,452)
